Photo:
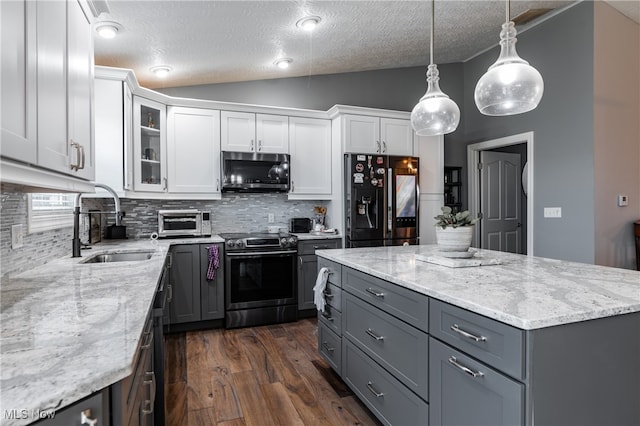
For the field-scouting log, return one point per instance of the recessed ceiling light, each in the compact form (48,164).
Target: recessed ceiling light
(308,23)
(283,62)
(161,71)
(108,29)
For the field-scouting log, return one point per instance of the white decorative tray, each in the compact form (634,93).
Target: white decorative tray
(325,232)
(458,259)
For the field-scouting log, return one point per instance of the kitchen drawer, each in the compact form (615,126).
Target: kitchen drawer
(467,392)
(333,296)
(400,302)
(335,271)
(497,344)
(390,401)
(332,318)
(330,346)
(400,348)
(310,246)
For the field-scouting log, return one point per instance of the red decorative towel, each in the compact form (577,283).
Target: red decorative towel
(214,262)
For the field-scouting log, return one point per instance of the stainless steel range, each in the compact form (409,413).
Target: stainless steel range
(260,279)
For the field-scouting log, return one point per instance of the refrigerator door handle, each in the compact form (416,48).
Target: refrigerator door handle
(390,184)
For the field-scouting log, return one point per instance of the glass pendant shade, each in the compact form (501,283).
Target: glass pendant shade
(510,86)
(435,113)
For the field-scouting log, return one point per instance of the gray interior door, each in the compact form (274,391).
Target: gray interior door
(500,201)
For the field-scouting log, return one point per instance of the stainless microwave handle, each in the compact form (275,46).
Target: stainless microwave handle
(180,219)
(261,253)
(217,185)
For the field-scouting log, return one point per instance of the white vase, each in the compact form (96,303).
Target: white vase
(454,239)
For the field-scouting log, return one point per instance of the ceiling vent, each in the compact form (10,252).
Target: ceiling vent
(529,15)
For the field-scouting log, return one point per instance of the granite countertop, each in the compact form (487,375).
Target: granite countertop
(303,236)
(522,291)
(69,329)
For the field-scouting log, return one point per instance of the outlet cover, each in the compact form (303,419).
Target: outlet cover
(272,218)
(17,236)
(553,212)
(623,200)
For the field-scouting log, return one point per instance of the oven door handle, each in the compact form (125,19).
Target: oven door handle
(262,253)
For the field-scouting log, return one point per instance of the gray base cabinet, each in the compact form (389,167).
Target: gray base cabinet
(308,268)
(193,297)
(418,361)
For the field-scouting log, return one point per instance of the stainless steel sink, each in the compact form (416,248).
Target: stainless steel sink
(134,256)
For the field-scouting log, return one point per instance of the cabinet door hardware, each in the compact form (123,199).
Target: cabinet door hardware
(373,391)
(468,335)
(326,346)
(374,292)
(152,384)
(327,295)
(453,361)
(327,316)
(371,333)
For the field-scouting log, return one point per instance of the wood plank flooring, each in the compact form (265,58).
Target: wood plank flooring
(269,375)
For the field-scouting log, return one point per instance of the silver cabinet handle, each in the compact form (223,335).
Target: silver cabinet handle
(251,144)
(75,145)
(259,145)
(149,335)
(453,361)
(217,184)
(169,260)
(384,147)
(373,391)
(300,259)
(170,295)
(165,184)
(82,157)
(293,186)
(371,333)
(327,316)
(375,293)
(326,346)
(85,418)
(468,335)
(379,148)
(327,295)
(150,402)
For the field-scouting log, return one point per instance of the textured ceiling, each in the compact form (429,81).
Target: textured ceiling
(227,41)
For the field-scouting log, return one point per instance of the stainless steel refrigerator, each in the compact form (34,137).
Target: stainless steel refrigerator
(382,198)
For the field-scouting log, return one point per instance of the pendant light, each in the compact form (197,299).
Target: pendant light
(435,113)
(510,86)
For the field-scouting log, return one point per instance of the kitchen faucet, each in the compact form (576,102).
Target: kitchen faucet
(75,246)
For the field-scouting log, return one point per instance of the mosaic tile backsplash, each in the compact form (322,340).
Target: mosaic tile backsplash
(234,213)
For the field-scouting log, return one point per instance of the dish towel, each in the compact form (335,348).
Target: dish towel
(214,262)
(318,289)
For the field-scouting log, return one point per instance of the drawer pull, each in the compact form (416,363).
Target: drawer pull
(453,361)
(327,295)
(458,330)
(375,293)
(152,385)
(326,346)
(371,333)
(327,316)
(373,391)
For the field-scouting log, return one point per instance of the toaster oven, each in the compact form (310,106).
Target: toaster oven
(184,223)
(300,225)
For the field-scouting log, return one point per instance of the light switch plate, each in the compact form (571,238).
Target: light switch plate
(623,200)
(553,212)
(17,236)
(272,218)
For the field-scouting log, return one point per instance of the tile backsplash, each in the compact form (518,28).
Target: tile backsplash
(236,212)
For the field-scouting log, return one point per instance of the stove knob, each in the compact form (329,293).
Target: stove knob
(239,243)
(231,243)
(292,240)
(283,241)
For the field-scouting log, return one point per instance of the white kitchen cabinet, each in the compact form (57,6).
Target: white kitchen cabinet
(18,100)
(193,155)
(47,95)
(310,145)
(249,132)
(149,145)
(65,88)
(377,135)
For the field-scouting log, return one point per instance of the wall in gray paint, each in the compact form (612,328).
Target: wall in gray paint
(396,89)
(561,48)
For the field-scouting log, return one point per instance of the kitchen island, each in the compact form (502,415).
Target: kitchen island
(69,329)
(526,341)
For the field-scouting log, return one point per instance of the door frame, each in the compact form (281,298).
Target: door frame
(473,158)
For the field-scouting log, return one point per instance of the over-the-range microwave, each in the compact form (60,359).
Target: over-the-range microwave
(255,172)
(184,223)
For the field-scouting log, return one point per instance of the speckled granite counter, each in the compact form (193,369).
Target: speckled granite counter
(525,292)
(69,329)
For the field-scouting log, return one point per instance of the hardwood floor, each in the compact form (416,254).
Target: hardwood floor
(269,375)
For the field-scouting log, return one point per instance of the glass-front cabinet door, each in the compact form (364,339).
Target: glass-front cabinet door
(150,146)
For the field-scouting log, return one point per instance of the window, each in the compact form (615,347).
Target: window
(50,211)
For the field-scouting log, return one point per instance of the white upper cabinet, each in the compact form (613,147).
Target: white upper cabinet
(18,100)
(249,132)
(272,133)
(375,135)
(193,142)
(396,136)
(149,145)
(310,144)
